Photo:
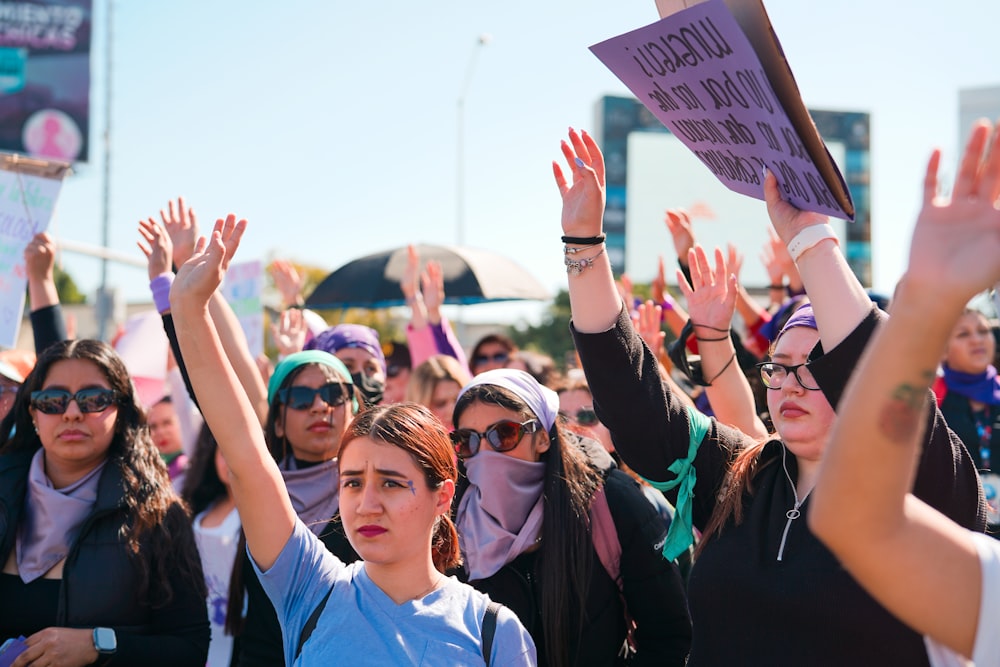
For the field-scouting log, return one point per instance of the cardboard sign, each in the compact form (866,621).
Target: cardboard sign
(28,192)
(242,290)
(714,75)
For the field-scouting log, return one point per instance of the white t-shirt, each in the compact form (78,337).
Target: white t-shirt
(217,548)
(986,652)
(360,624)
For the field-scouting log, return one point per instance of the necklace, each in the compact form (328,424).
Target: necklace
(434,585)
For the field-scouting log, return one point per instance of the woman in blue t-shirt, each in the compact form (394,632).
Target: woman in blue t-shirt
(397,480)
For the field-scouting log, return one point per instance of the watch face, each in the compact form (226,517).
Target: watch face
(105,640)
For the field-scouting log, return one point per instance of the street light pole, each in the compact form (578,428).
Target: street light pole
(482,41)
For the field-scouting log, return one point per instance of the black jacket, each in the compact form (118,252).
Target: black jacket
(100,583)
(652,586)
(747,607)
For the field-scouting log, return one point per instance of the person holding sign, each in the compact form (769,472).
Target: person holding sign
(396,483)
(935,576)
(763,589)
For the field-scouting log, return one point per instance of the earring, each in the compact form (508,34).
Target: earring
(36,427)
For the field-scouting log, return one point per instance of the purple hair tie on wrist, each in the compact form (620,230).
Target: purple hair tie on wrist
(160,287)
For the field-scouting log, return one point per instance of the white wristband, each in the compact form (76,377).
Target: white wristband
(809,237)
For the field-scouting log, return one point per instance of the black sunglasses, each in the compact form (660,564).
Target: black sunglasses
(583,417)
(498,358)
(503,436)
(302,398)
(774,375)
(56,401)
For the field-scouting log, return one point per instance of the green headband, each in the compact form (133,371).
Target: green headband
(293,361)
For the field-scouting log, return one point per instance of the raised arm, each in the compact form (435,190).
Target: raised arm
(259,491)
(838,299)
(711,300)
(921,566)
(593,295)
(47,322)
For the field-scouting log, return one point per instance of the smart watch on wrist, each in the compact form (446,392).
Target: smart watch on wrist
(105,641)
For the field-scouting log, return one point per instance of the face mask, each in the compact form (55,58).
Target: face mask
(371,388)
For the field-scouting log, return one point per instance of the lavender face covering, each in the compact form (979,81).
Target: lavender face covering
(314,491)
(52,518)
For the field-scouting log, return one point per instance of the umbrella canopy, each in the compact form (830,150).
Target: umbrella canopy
(470,276)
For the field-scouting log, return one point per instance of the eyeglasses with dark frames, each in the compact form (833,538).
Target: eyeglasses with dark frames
(774,375)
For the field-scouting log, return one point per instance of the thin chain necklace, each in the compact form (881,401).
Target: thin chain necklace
(437,582)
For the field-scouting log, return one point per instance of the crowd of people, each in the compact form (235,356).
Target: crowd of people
(802,482)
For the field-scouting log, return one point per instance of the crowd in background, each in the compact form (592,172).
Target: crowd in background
(711,501)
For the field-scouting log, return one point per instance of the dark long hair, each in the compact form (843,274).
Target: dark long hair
(565,558)
(156,530)
(202,485)
(415,430)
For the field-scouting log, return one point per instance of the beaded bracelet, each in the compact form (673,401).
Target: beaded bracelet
(576,267)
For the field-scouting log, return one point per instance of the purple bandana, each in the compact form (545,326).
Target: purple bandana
(349,335)
(52,518)
(500,515)
(314,491)
(982,387)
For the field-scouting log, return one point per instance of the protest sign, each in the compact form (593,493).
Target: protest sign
(28,192)
(714,75)
(242,290)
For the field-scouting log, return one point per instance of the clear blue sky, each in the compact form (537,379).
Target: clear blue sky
(331,126)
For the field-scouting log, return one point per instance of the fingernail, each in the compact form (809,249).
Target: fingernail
(579,162)
(763,172)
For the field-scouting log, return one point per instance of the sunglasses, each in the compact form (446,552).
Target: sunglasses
(498,358)
(583,417)
(302,398)
(8,389)
(56,401)
(394,370)
(774,375)
(502,436)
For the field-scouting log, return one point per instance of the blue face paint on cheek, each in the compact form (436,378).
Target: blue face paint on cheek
(413,489)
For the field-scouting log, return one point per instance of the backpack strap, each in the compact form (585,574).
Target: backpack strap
(609,551)
(489,629)
(310,625)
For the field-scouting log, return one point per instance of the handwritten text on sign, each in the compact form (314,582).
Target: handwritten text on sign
(26,206)
(698,74)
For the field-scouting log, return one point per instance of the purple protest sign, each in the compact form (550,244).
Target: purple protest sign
(698,73)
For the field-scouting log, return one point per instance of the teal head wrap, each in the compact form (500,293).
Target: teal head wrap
(293,361)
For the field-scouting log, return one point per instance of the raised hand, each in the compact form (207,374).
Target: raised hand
(679,225)
(40,257)
(202,274)
(647,324)
(711,296)
(955,249)
(409,284)
(625,289)
(432,282)
(658,285)
(182,226)
(583,200)
(289,332)
(787,220)
(288,281)
(156,246)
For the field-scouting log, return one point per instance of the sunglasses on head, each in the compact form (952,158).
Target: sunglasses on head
(583,417)
(56,401)
(302,398)
(498,358)
(502,436)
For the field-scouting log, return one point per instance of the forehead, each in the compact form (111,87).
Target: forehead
(356,355)
(314,375)
(75,373)
(795,344)
(367,455)
(573,399)
(491,348)
(446,387)
(161,411)
(972,320)
(480,415)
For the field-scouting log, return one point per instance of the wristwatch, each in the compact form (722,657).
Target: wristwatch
(105,641)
